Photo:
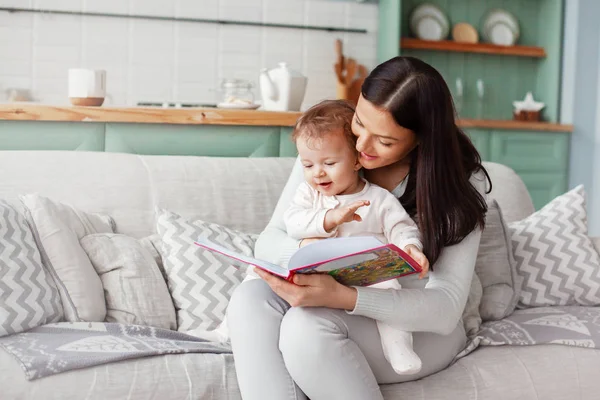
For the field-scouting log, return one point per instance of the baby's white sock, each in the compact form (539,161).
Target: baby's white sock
(398,349)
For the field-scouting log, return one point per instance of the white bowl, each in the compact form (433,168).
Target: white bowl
(428,22)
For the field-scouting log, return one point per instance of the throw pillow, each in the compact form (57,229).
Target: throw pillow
(153,244)
(28,294)
(596,242)
(135,290)
(59,228)
(200,283)
(471,316)
(555,256)
(496,268)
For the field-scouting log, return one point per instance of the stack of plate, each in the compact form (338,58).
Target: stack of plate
(428,22)
(500,27)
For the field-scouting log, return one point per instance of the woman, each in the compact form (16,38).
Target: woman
(318,338)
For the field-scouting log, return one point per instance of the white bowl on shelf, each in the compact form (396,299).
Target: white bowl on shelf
(500,27)
(428,22)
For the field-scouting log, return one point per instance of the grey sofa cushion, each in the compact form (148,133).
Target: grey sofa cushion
(495,267)
(135,290)
(28,294)
(555,256)
(200,283)
(59,227)
(471,316)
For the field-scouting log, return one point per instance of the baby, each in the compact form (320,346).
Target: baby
(336,201)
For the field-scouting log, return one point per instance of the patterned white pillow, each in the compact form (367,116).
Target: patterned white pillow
(200,283)
(554,255)
(28,295)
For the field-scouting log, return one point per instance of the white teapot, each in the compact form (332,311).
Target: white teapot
(282,89)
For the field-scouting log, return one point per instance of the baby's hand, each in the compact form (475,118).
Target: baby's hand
(419,257)
(339,216)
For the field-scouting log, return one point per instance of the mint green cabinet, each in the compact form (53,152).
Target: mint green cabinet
(544,186)
(286,147)
(481,140)
(527,151)
(34,135)
(203,140)
(539,158)
(505,77)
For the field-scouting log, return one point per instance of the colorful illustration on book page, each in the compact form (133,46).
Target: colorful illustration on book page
(387,265)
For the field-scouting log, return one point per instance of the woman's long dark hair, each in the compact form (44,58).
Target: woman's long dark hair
(438,195)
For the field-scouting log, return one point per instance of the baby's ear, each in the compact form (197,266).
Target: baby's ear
(357,165)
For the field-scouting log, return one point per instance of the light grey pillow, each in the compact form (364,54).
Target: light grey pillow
(153,244)
(496,268)
(471,316)
(555,256)
(200,283)
(28,294)
(135,290)
(59,227)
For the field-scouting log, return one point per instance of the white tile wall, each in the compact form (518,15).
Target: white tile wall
(148,60)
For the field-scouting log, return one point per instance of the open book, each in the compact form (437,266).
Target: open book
(352,261)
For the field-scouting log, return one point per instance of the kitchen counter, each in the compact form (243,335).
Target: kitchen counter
(148,115)
(212,116)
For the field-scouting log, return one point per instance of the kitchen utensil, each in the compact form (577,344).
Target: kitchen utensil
(500,27)
(339,72)
(341,91)
(87,87)
(350,71)
(282,88)
(339,53)
(356,85)
(464,33)
(429,22)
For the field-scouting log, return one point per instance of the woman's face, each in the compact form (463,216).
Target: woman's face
(380,140)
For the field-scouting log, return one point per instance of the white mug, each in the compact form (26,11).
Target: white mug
(87,87)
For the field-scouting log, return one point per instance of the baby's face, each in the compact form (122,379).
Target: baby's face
(330,165)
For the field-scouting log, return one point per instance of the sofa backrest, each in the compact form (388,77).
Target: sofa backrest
(240,193)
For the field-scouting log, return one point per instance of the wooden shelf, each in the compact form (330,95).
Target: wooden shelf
(212,116)
(483,48)
(146,115)
(514,125)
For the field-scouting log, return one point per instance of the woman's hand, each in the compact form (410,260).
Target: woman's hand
(311,290)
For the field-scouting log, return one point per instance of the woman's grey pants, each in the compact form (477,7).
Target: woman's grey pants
(284,352)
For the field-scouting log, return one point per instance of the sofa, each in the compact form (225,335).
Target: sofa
(241,193)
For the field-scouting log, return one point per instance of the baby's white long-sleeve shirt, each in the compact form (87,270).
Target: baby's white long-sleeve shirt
(384,218)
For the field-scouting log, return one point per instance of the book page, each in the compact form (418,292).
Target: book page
(344,262)
(327,249)
(365,269)
(235,256)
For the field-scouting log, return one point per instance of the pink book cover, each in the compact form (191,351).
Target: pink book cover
(352,261)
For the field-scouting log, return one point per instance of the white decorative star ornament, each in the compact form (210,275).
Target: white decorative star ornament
(528,104)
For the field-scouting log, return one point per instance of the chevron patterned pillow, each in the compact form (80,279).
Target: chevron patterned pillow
(200,283)
(28,294)
(554,255)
